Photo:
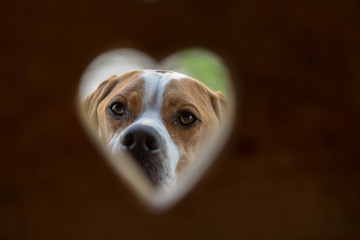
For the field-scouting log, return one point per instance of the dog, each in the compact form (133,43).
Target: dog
(161,118)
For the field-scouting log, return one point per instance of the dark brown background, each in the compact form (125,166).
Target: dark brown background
(290,170)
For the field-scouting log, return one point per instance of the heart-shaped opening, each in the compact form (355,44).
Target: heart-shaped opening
(161,128)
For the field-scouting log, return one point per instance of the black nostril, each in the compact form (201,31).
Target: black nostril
(129,140)
(141,138)
(151,144)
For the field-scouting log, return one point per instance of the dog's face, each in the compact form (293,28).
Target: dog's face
(161,118)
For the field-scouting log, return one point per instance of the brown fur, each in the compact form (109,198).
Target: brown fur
(128,88)
(187,94)
(190,94)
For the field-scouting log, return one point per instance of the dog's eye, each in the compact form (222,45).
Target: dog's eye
(187,118)
(118,108)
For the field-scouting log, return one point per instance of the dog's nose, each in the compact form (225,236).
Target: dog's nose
(141,138)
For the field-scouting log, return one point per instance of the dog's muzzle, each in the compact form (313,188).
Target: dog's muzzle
(146,145)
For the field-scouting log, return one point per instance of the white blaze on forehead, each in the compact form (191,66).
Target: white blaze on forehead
(155,83)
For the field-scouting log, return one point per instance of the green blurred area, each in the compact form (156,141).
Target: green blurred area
(203,66)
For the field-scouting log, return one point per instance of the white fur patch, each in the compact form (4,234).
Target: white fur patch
(155,83)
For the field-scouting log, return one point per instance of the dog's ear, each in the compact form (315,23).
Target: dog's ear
(91,102)
(220,104)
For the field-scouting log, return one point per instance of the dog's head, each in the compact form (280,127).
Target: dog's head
(160,117)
